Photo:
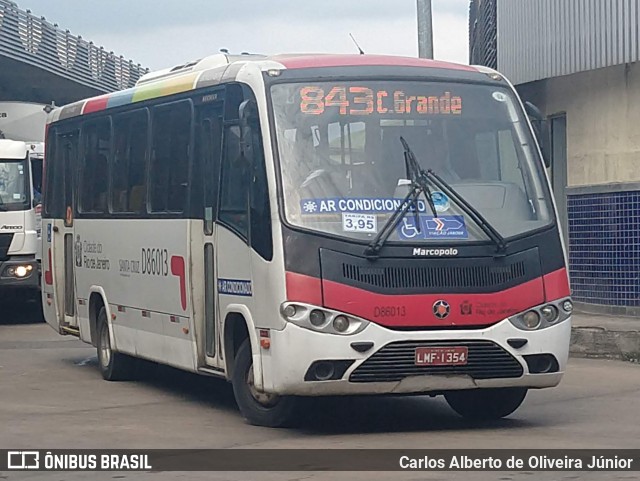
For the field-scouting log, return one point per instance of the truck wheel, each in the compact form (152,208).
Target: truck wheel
(258,408)
(114,366)
(486,404)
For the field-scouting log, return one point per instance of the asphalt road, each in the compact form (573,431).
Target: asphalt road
(52,396)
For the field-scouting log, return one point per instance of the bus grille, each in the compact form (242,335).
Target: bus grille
(393,275)
(396,361)
(5,242)
(442,276)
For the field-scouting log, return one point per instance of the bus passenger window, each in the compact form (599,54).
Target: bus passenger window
(128,189)
(95,168)
(169,181)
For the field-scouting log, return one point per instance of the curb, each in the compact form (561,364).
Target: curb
(599,342)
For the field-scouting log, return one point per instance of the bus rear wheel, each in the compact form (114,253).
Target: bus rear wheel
(114,366)
(486,404)
(258,408)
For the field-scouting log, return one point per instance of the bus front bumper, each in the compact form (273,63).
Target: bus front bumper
(20,273)
(290,366)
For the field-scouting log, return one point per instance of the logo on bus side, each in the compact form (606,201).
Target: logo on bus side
(78,251)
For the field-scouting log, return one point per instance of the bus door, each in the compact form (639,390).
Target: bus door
(59,234)
(36,200)
(209,142)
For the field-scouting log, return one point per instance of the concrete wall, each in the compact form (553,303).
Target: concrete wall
(602,198)
(603,121)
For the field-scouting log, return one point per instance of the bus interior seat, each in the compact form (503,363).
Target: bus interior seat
(137,198)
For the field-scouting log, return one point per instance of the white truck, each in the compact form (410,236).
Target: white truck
(21,162)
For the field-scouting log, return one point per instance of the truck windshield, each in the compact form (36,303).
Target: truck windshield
(343,171)
(14,182)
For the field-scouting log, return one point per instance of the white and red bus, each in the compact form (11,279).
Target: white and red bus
(311,225)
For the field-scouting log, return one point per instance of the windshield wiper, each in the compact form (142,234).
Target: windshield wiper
(420,180)
(470,210)
(419,185)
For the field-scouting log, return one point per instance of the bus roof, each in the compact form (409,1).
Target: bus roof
(222,68)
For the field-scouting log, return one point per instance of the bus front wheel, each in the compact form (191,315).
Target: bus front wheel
(258,408)
(114,366)
(486,404)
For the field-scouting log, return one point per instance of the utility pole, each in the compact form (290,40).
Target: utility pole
(425,29)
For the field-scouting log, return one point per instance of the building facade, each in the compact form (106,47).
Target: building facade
(579,62)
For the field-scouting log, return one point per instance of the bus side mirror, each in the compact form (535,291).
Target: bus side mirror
(540,129)
(248,113)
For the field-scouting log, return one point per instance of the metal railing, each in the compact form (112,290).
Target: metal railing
(33,40)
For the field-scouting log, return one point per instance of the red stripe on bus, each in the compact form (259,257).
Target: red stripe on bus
(301,288)
(315,61)
(417,310)
(48,273)
(556,285)
(178,269)
(95,105)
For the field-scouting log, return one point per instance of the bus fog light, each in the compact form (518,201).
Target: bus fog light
(316,318)
(289,311)
(531,320)
(567,306)
(341,324)
(550,313)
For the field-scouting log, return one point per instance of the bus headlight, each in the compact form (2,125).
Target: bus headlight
(317,317)
(549,312)
(531,320)
(545,315)
(322,320)
(341,324)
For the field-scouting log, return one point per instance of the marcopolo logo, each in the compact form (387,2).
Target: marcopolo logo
(420,251)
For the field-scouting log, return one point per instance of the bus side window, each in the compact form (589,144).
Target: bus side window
(95,166)
(36,175)
(53,198)
(61,154)
(208,151)
(169,180)
(260,215)
(234,184)
(128,182)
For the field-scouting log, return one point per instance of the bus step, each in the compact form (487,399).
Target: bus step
(74,331)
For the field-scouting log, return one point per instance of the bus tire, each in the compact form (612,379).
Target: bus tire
(486,404)
(259,409)
(114,366)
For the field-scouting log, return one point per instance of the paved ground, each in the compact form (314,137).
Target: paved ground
(52,396)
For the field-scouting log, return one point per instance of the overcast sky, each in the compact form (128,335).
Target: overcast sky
(159,34)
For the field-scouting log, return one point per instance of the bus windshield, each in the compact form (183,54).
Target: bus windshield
(13,184)
(343,168)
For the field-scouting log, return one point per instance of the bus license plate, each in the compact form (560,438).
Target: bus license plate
(441,356)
